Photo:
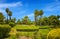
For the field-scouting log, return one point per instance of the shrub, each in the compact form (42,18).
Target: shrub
(54,34)
(12,24)
(13,31)
(4,30)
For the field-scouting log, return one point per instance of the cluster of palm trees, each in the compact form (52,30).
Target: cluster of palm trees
(9,13)
(37,14)
(51,20)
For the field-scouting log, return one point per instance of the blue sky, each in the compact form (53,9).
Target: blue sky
(21,8)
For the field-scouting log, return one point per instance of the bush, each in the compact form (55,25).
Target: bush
(4,30)
(13,31)
(12,24)
(54,34)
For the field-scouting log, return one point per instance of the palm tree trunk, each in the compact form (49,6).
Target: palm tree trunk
(41,20)
(7,18)
(10,17)
(35,21)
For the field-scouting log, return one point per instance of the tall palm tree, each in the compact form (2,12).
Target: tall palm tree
(40,14)
(10,14)
(7,11)
(35,15)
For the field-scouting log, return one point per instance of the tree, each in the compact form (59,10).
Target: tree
(43,21)
(35,15)
(7,11)
(53,20)
(58,16)
(10,14)
(18,21)
(26,20)
(13,20)
(1,17)
(40,14)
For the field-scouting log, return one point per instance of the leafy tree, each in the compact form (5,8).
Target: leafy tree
(14,19)
(53,20)
(1,18)
(18,21)
(26,20)
(43,21)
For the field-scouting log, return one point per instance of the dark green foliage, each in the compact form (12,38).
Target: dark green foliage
(19,21)
(1,18)
(26,20)
(12,24)
(4,30)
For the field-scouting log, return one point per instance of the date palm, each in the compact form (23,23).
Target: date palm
(10,14)
(40,14)
(35,15)
(7,11)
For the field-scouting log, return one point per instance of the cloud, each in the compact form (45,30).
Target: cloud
(30,15)
(52,7)
(11,4)
(8,5)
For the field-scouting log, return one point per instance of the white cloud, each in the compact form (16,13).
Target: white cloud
(8,5)
(30,15)
(52,7)
(11,4)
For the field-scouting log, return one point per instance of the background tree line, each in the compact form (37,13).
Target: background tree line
(38,15)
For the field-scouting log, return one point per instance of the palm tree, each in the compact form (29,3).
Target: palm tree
(35,15)
(7,11)
(10,14)
(40,14)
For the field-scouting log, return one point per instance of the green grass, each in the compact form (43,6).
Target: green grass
(25,27)
(43,30)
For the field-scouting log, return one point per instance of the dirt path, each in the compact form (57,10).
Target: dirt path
(24,37)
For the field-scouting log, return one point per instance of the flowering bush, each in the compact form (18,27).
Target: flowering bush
(54,34)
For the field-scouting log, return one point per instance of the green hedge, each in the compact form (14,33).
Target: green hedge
(4,30)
